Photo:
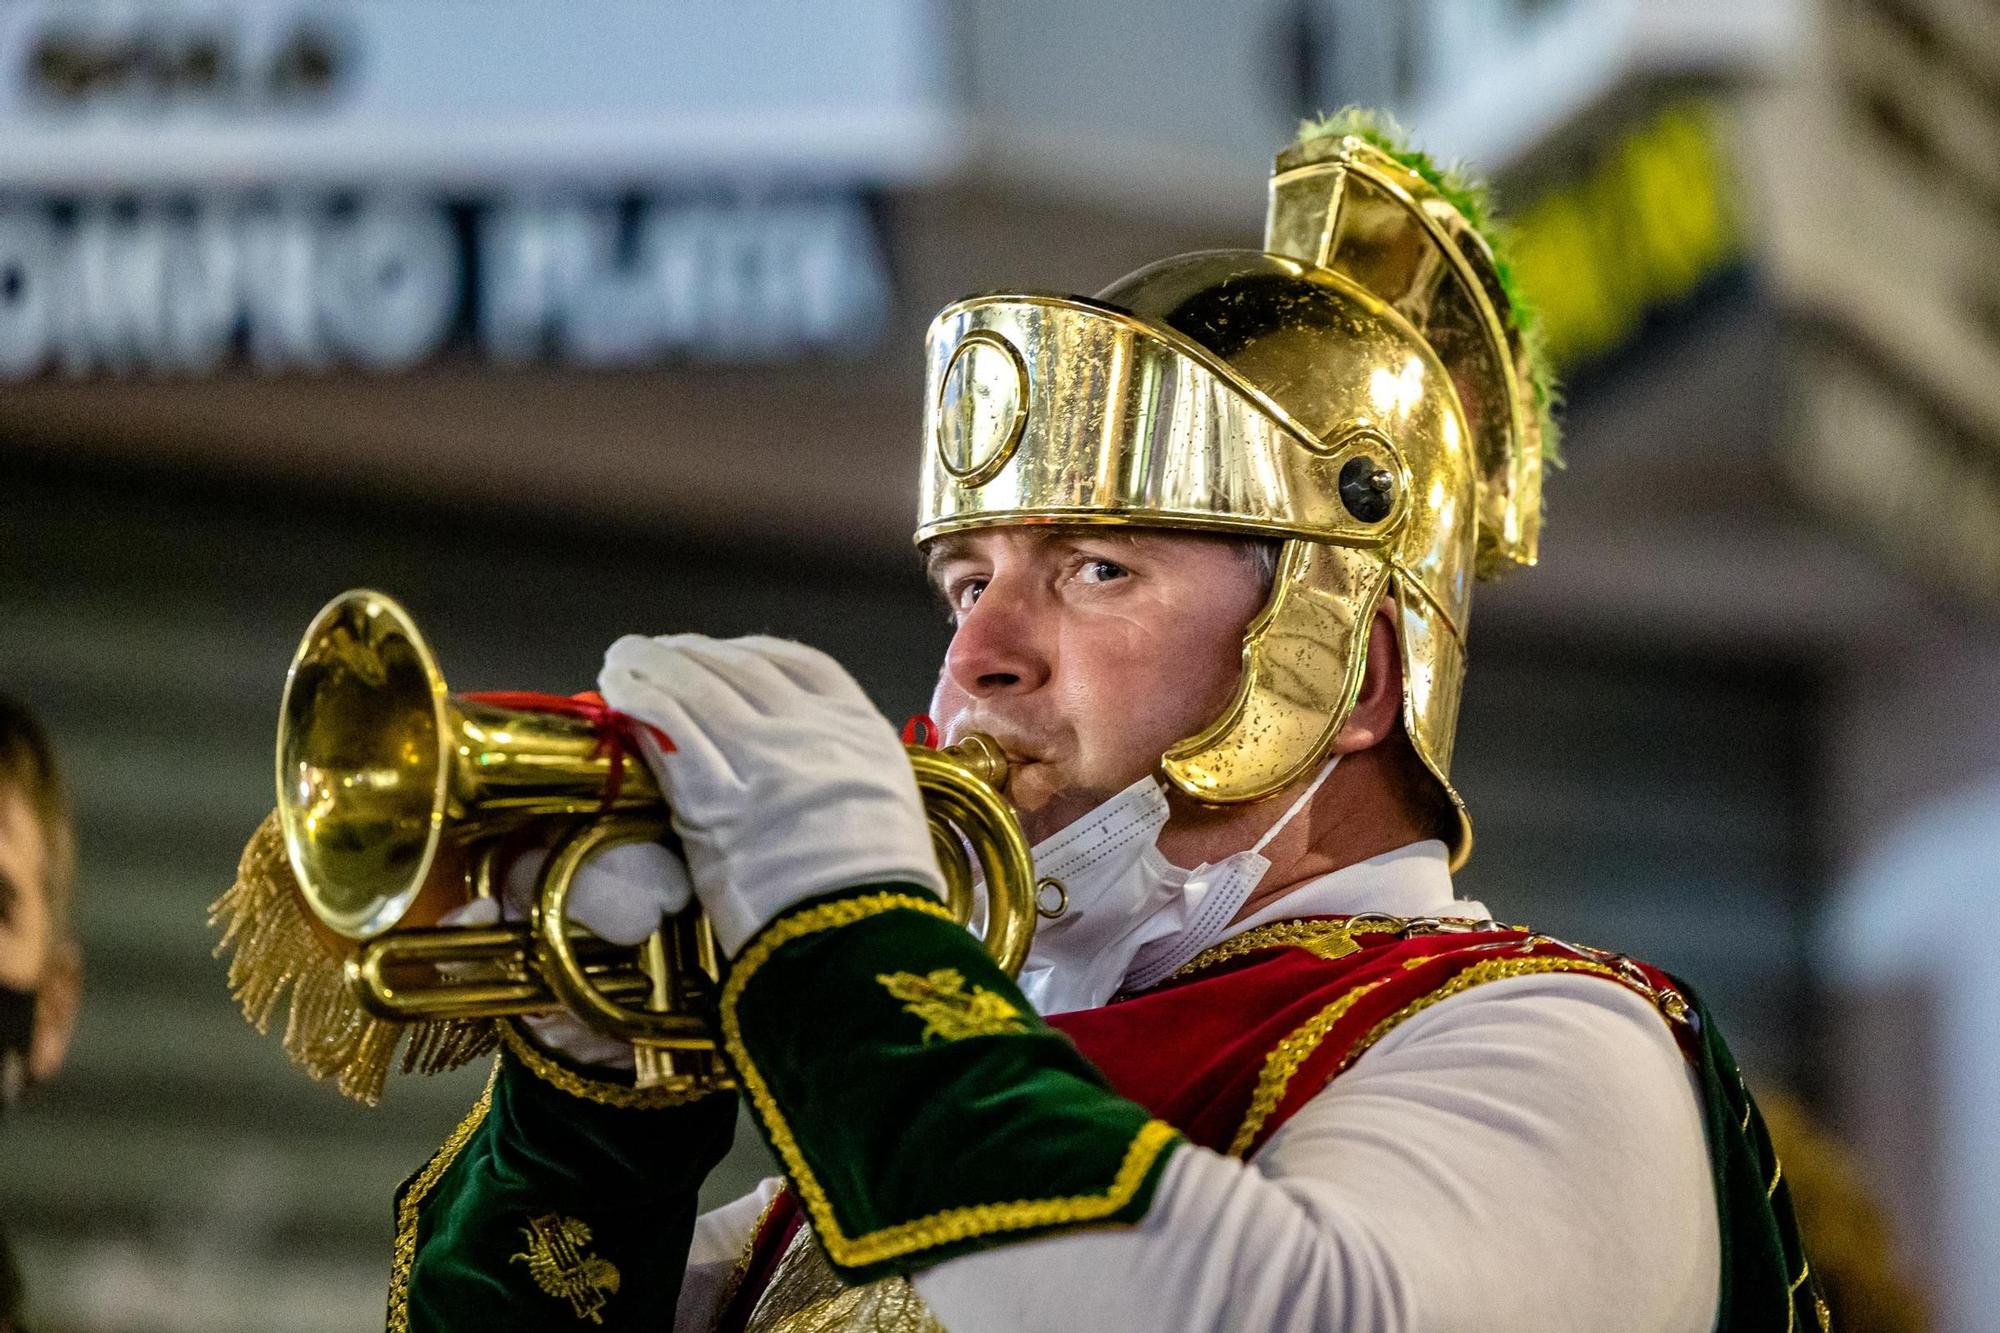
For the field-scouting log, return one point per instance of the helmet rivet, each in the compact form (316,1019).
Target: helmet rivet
(1367,489)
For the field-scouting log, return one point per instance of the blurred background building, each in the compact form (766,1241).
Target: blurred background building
(565,321)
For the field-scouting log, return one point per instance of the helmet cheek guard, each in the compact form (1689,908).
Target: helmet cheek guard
(1358,390)
(1300,678)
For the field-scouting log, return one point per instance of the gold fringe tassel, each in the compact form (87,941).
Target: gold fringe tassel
(327,1033)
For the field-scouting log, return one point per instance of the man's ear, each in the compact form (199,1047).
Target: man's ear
(1377,708)
(57,1001)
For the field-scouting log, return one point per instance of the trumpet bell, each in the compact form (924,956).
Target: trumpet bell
(381,770)
(364,764)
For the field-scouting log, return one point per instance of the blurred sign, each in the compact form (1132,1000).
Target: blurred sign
(386,281)
(1652,216)
(311,183)
(78,62)
(469,94)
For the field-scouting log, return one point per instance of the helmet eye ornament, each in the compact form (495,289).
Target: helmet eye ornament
(1367,489)
(982,408)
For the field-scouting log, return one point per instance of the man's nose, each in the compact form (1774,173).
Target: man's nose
(1001,645)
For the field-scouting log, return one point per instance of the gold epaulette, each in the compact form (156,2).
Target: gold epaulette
(274,949)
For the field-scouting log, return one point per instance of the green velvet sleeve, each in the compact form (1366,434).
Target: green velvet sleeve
(551,1208)
(919,1106)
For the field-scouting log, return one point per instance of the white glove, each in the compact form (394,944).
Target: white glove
(785,781)
(621,894)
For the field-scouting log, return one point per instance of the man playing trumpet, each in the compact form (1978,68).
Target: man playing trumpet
(1208,541)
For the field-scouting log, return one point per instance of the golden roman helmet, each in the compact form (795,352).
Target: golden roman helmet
(1361,390)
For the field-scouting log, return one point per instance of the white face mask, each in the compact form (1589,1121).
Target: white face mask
(1132,917)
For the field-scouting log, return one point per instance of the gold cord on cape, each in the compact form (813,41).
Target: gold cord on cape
(273,948)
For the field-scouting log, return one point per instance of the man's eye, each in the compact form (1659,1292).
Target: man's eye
(1095,570)
(965,593)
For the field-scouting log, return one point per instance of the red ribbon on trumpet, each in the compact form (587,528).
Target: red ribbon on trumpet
(617,733)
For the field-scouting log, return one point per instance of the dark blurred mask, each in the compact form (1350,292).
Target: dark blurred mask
(17,1035)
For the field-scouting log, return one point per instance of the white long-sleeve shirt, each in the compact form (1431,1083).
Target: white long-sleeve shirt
(1527,1154)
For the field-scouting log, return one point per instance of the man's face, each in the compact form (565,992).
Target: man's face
(24,903)
(1087,652)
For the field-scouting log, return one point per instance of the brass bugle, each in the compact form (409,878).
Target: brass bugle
(398,800)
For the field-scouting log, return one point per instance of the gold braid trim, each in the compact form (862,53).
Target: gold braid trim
(404,1260)
(1322,939)
(1493,969)
(1284,1061)
(940,1228)
(602,1091)
(1291,1053)
(1329,938)
(327,1033)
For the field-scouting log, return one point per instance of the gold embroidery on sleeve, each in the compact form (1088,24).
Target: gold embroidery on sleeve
(558,1258)
(942,1228)
(949,1011)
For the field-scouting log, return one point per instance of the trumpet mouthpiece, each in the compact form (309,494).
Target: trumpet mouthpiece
(982,755)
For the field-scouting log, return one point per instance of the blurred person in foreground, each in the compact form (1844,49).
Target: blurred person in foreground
(41,968)
(1207,542)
